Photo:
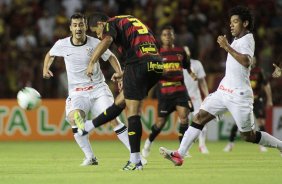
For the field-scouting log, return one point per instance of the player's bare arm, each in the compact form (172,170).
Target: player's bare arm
(46,66)
(190,72)
(203,86)
(277,71)
(267,89)
(116,66)
(243,59)
(117,76)
(100,49)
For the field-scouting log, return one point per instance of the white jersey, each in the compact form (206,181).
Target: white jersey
(76,59)
(236,80)
(193,85)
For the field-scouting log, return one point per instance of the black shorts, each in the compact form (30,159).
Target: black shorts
(259,108)
(139,78)
(168,105)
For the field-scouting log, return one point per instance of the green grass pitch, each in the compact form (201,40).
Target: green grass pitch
(58,162)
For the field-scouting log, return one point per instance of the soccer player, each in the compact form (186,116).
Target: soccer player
(262,97)
(143,68)
(234,93)
(85,94)
(171,91)
(194,87)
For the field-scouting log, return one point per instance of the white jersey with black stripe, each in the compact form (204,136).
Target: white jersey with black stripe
(77,58)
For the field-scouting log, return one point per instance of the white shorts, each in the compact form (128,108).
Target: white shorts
(241,108)
(96,100)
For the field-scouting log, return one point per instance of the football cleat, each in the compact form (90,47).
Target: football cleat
(78,120)
(172,156)
(129,166)
(89,161)
(147,148)
(187,155)
(263,149)
(143,161)
(204,149)
(228,147)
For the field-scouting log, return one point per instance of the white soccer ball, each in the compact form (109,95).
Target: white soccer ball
(28,98)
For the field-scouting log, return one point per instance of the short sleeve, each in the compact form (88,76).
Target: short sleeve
(247,46)
(111,29)
(56,50)
(106,55)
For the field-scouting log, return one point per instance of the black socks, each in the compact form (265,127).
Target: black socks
(109,114)
(155,132)
(182,130)
(134,133)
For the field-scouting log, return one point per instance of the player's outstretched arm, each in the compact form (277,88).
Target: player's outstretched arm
(115,64)
(46,66)
(243,59)
(100,49)
(117,76)
(277,71)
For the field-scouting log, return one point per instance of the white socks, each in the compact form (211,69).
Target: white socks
(88,126)
(268,140)
(122,134)
(202,137)
(135,157)
(189,137)
(84,144)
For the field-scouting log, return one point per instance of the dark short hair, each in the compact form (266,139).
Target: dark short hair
(169,27)
(97,17)
(245,15)
(78,16)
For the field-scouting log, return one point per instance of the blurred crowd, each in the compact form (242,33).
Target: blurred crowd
(28,29)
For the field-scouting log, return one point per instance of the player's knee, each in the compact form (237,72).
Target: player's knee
(248,136)
(70,116)
(198,118)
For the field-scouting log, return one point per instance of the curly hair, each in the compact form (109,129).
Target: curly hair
(245,15)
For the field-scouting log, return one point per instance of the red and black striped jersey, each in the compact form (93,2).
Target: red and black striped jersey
(135,38)
(258,81)
(174,61)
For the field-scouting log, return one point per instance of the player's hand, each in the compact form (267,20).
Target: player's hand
(193,76)
(47,74)
(269,104)
(116,77)
(277,71)
(222,41)
(89,71)
(120,85)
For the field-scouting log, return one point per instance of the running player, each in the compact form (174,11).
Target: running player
(234,93)
(85,94)
(171,90)
(143,69)
(262,97)
(194,87)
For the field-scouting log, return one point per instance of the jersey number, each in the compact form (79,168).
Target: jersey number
(142,29)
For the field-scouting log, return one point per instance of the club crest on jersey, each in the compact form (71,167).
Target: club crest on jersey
(89,51)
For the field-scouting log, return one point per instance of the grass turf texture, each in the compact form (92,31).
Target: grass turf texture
(58,162)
